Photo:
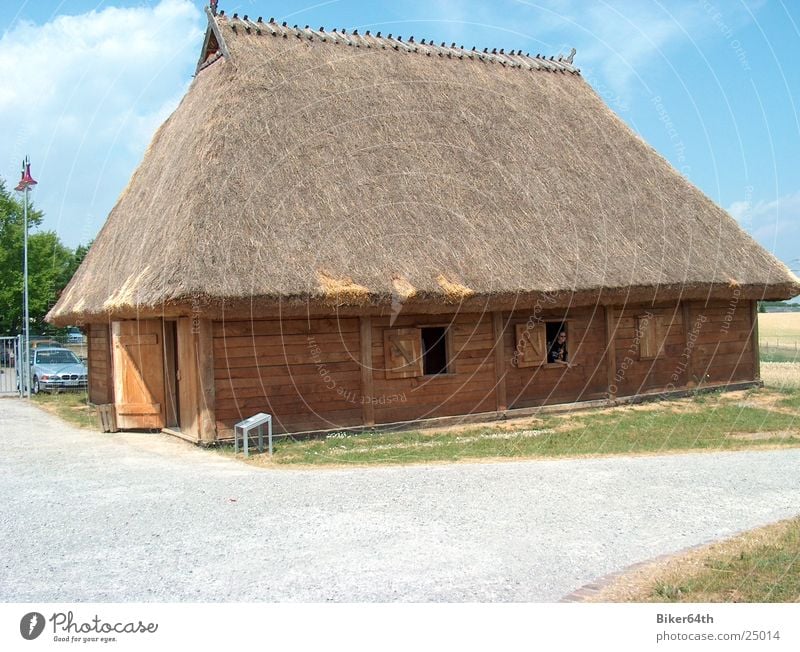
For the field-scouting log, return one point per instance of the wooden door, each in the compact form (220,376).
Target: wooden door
(139,374)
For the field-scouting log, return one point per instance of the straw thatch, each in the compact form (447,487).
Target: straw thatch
(297,167)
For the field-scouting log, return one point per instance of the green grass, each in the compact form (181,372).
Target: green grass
(772,354)
(760,566)
(707,422)
(73,407)
(792,400)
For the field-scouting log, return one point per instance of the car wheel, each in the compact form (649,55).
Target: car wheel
(36,388)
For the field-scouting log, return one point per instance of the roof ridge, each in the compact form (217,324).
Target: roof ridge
(368,40)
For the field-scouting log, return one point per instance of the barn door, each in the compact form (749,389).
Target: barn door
(139,374)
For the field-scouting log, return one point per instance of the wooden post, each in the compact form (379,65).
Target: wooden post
(611,351)
(501,398)
(687,331)
(188,382)
(754,335)
(204,351)
(367,407)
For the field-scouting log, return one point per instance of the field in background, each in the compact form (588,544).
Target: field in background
(779,336)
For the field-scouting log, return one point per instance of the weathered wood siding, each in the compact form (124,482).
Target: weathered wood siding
(705,343)
(549,384)
(101,384)
(634,375)
(722,349)
(305,372)
(469,387)
(308,373)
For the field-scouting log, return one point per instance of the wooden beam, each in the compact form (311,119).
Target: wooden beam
(754,335)
(498,331)
(188,382)
(116,378)
(367,407)
(110,364)
(611,351)
(687,331)
(204,352)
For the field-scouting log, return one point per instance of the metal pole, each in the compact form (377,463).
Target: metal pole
(27,369)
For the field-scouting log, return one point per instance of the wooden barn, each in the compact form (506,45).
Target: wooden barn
(345,229)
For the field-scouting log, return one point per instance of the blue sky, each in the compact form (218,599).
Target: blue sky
(713,85)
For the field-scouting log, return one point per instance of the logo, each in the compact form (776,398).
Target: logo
(31,625)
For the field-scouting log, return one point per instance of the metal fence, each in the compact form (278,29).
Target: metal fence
(10,365)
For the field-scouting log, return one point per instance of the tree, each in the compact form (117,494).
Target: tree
(50,266)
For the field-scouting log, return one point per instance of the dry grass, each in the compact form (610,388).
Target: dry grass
(781,374)
(761,565)
(779,328)
(341,290)
(72,407)
(779,336)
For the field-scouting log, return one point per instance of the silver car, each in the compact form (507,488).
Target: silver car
(53,369)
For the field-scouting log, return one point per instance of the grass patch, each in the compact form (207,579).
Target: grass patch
(762,565)
(772,354)
(706,422)
(73,407)
(791,401)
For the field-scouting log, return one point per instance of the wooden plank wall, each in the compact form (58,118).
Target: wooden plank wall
(723,347)
(469,387)
(308,372)
(101,385)
(549,384)
(305,372)
(634,376)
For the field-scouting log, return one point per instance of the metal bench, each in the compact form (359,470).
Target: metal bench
(244,428)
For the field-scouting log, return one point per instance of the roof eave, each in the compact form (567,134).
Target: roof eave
(262,307)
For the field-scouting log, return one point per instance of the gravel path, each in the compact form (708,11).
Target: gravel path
(133,517)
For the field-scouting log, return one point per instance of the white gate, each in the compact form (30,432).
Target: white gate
(10,365)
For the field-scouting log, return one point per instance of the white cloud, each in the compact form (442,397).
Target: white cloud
(774,224)
(83,95)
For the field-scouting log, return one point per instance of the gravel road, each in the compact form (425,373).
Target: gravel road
(135,517)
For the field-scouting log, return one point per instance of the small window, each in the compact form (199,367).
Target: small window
(650,334)
(531,347)
(541,343)
(403,353)
(434,350)
(557,350)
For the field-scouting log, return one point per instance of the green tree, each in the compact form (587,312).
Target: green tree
(50,266)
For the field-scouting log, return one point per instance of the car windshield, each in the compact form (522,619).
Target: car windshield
(56,357)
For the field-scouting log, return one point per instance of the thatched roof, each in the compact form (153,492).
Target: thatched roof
(349,169)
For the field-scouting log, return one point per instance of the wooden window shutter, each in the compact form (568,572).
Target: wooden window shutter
(651,333)
(403,352)
(531,347)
